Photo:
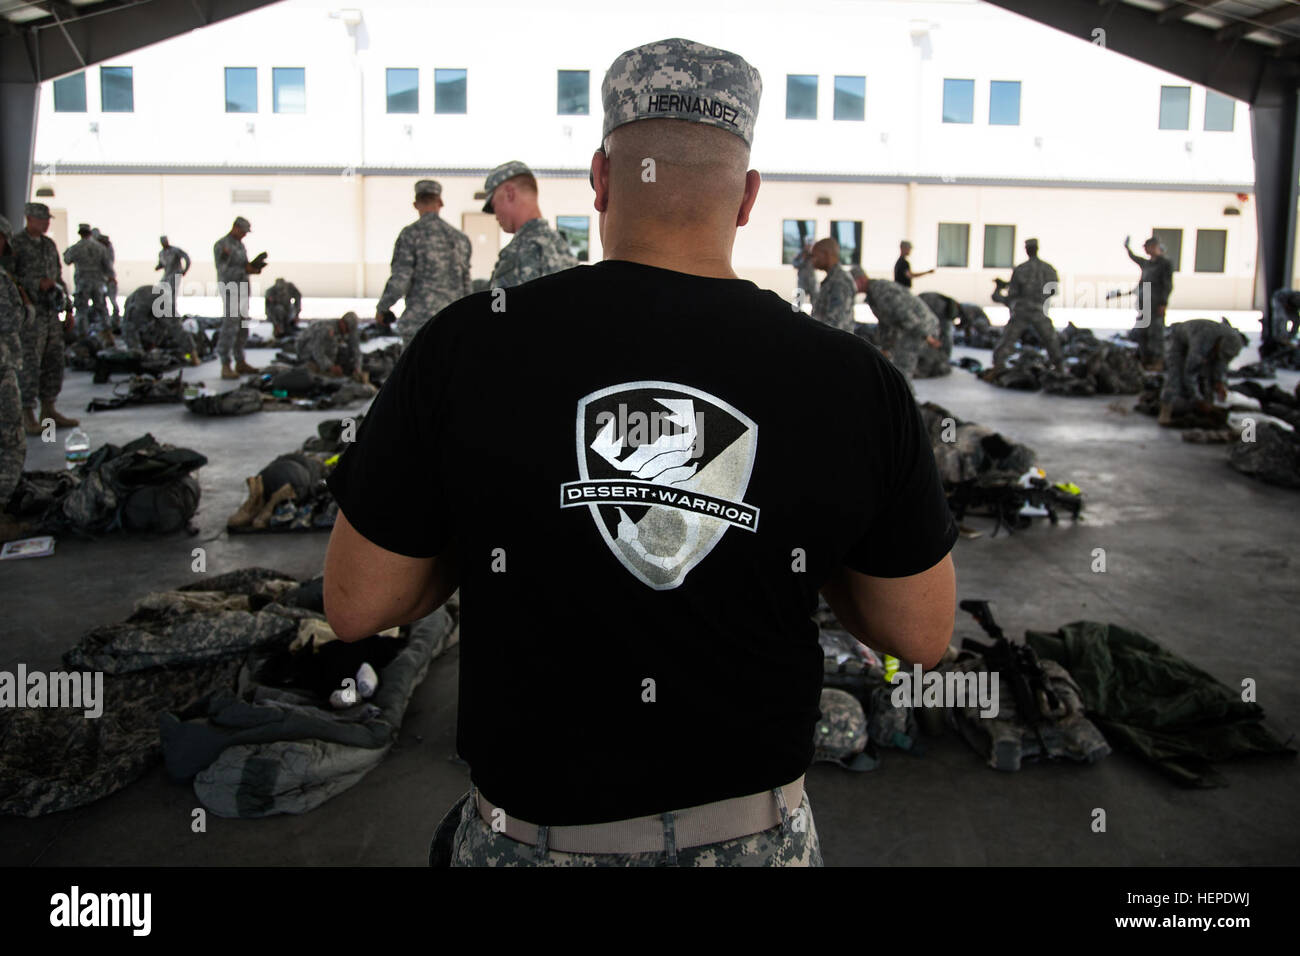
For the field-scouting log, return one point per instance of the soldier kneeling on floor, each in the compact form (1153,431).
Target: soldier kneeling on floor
(332,348)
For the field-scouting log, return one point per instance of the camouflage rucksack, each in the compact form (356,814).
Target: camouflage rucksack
(238,401)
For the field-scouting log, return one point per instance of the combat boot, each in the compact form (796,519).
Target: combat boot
(62,421)
(228,372)
(1166,416)
(30,424)
(245,369)
(250,508)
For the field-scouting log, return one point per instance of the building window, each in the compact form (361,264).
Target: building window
(241,89)
(1220,111)
(850,97)
(800,96)
(959,101)
(576,231)
(999,247)
(794,233)
(954,245)
(1172,240)
(1004,103)
(403,90)
(449,91)
(116,92)
(1211,244)
(848,233)
(1175,106)
(289,89)
(70,94)
(573,92)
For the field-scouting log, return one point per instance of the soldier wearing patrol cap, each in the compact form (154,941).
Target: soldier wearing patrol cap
(233,270)
(92,268)
(430,268)
(38,271)
(716,430)
(536,249)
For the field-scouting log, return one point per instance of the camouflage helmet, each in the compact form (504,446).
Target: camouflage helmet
(840,736)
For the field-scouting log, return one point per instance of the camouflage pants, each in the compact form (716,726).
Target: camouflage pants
(42,376)
(1150,338)
(234,324)
(407,328)
(1181,389)
(1017,326)
(13,440)
(90,305)
(163,333)
(112,297)
(475,844)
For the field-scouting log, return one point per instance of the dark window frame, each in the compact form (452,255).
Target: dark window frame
(65,80)
(104,88)
(965,263)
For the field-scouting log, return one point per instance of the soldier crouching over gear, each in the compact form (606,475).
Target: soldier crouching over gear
(695,616)
(145,324)
(332,347)
(283,305)
(906,323)
(1197,356)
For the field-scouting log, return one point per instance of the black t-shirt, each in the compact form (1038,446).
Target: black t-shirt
(530,443)
(902,272)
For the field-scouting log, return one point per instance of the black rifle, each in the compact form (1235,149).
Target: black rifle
(1017,663)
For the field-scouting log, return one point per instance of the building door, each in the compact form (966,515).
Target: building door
(484,240)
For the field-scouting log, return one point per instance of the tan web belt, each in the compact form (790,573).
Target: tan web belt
(694,826)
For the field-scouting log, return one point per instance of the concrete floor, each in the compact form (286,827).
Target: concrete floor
(1198,557)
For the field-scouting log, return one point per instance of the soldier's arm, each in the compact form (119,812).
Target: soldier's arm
(467,284)
(910,618)
(67,253)
(1135,257)
(402,269)
(185,258)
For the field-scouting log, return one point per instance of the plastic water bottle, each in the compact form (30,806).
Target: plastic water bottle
(76,448)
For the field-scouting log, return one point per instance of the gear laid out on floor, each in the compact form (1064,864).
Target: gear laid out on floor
(290,493)
(984,473)
(144,390)
(285,388)
(143,486)
(229,679)
(1092,367)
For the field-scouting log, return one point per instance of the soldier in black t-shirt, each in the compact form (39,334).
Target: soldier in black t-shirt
(903,273)
(641,475)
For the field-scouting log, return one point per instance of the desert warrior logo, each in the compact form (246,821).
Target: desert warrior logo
(663,470)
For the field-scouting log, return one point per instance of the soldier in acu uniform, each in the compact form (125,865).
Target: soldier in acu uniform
(1199,353)
(834,302)
(331,347)
(1153,290)
(906,323)
(37,269)
(283,306)
(805,274)
(1033,282)
(110,274)
(174,263)
(536,249)
(677,633)
(430,267)
(13,315)
(92,266)
(233,270)
(147,323)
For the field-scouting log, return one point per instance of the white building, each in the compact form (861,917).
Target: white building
(956,124)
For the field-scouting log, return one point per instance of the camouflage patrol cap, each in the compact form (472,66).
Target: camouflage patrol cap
(83,228)
(683,80)
(841,734)
(428,187)
(499,175)
(37,210)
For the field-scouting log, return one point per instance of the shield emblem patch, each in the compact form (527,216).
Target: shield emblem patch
(663,471)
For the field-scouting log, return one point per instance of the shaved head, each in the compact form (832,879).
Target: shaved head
(699,172)
(826,253)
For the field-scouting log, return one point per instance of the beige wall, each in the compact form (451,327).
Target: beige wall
(332,235)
